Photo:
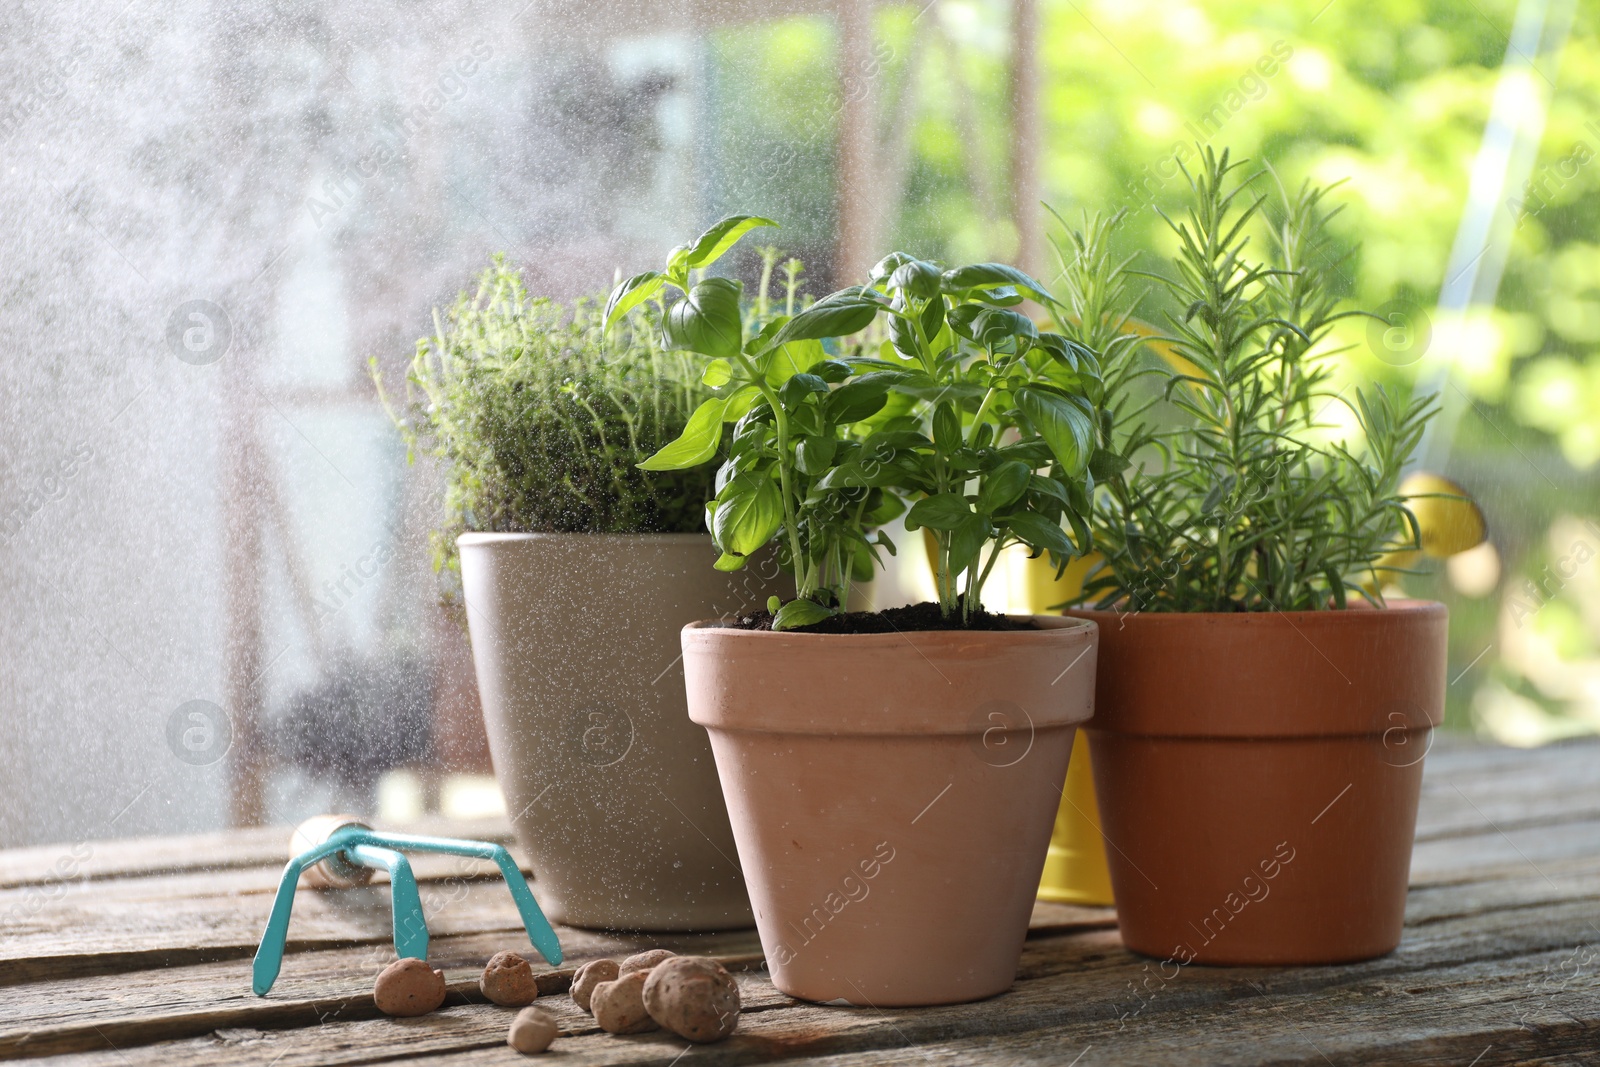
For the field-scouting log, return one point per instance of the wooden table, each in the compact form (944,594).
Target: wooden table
(137,952)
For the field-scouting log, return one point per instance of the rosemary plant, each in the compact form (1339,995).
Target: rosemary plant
(1244,502)
(542,419)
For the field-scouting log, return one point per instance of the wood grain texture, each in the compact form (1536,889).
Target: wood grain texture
(142,959)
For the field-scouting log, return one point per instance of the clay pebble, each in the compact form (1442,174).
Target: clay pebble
(532,1031)
(643,961)
(408,987)
(619,1005)
(508,980)
(589,976)
(694,997)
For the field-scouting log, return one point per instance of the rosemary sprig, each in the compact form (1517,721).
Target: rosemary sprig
(1237,502)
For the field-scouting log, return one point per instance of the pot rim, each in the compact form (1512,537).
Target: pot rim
(1057,627)
(911,684)
(1405,607)
(484,538)
(1238,676)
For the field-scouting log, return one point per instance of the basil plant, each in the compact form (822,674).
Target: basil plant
(923,393)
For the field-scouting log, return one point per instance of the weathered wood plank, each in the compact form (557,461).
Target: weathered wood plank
(1084,981)
(1210,1015)
(1462,1007)
(1454,900)
(91,933)
(1552,851)
(308,979)
(170,920)
(1478,787)
(144,922)
(129,1025)
(264,847)
(1472,1017)
(314,978)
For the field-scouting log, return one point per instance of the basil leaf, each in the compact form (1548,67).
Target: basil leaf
(1039,533)
(836,315)
(993,276)
(1047,487)
(883,443)
(916,278)
(966,541)
(698,442)
(793,357)
(1003,486)
(813,455)
(798,613)
(1065,423)
(995,327)
(798,387)
(708,320)
(723,235)
(631,293)
(946,427)
(1070,353)
(740,402)
(887,266)
(830,371)
(749,512)
(856,400)
(902,337)
(942,511)
(933,318)
(805,419)
(758,343)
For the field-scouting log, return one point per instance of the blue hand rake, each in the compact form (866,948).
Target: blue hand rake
(342,852)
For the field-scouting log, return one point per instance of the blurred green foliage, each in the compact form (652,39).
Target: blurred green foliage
(1390,97)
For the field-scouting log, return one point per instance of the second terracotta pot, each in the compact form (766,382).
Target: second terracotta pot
(1258,776)
(892,796)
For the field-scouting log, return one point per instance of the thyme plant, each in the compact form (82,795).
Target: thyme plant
(923,387)
(1246,503)
(542,419)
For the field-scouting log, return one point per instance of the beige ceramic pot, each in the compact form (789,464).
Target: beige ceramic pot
(611,789)
(1258,776)
(892,796)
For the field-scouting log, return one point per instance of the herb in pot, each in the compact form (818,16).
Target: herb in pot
(790,427)
(1244,504)
(542,418)
(965,410)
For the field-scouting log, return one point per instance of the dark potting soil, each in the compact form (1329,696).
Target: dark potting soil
(924,616)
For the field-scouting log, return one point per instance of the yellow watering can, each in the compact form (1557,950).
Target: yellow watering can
(1075,870)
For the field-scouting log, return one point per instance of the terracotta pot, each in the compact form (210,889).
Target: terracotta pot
(1258,777)
(612,790)
(892,796)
